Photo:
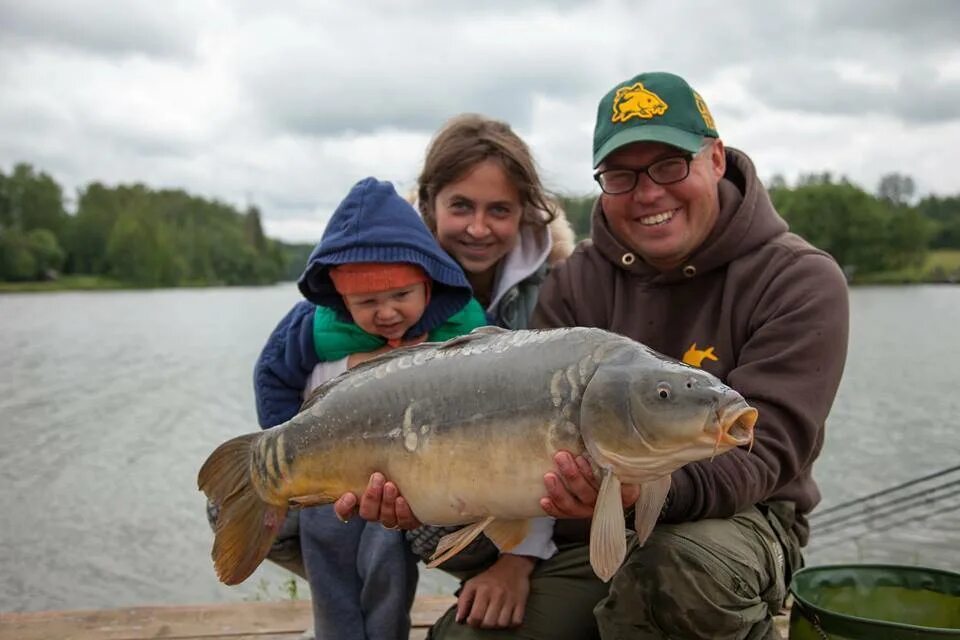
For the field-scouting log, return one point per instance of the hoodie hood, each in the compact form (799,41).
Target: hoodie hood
(374,224)
(525,259)
(537,247)
(747,220)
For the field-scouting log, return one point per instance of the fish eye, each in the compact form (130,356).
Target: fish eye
(663,390)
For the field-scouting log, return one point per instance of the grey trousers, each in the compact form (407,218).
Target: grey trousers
(362,577)
(712,579)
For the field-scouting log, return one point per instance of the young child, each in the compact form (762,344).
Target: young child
(377,280)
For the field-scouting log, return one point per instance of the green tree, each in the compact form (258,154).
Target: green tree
(32,200)
(908,238)
(944,215)
(47,253)
(896,188)
(16,260)
(842,219)
(578,210)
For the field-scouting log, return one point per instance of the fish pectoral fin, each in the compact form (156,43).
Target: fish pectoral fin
(608,533)
(652,496)
(453,543)
(311,500)
(507,534)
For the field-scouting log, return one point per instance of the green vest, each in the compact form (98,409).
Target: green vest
(334,339)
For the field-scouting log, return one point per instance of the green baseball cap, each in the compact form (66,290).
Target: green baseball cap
(651,107)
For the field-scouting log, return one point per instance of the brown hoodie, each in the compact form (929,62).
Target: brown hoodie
(755,305)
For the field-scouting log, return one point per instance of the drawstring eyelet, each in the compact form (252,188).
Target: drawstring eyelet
(689,271)
(628,259)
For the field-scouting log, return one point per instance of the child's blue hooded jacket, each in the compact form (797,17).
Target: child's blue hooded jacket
(372,224)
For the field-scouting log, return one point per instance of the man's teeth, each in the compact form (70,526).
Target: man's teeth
(659,218)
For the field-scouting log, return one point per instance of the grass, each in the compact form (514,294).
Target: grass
(93,283)
(287,590)
(64,283)
(941,265)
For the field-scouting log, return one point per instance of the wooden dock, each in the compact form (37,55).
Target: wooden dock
(282,620)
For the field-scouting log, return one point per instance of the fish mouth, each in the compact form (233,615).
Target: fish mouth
(737,425)
(736,422)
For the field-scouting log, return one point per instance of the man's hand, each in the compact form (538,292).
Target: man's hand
(497,597)
(381,502)
(573,493)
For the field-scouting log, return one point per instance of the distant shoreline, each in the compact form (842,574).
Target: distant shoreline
(98,283)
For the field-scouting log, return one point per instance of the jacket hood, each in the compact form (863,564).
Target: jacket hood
(537,246)
(374,224)
(747,220)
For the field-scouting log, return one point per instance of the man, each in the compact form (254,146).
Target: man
(689,257)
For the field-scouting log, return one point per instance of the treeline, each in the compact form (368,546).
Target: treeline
(144,237)
(134,235)
(867,233)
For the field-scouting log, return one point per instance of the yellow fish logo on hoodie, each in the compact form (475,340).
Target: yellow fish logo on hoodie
(695,357)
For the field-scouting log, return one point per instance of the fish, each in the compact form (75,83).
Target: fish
(467,428)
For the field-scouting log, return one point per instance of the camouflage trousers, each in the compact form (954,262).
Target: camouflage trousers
(717,579)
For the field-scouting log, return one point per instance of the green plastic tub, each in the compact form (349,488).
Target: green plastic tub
(875,602)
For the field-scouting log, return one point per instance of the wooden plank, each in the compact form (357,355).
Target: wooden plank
(284,620)
(235,620)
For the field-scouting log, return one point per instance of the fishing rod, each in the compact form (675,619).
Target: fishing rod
(869,518)
(817,543)
(874,511)
(867,498)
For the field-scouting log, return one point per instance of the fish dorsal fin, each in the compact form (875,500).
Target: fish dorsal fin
(453,543)
(652,496)
(507,534)
(608,534)
(473,336)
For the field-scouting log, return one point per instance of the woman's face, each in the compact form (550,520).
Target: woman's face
(478,217)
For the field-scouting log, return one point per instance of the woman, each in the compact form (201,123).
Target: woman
(480,194)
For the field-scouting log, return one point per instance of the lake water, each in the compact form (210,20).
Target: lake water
(109,403)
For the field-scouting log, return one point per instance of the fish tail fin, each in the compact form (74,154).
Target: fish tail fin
(246,526)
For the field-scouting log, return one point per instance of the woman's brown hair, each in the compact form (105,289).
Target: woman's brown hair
(469,139)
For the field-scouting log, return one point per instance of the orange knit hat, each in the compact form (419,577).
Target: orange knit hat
(369,277)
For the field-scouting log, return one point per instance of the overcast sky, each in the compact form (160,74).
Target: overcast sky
(285,105)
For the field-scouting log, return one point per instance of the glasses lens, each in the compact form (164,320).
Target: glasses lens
(617,181)
(669,170)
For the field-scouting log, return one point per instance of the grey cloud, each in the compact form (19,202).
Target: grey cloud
(916,96)
(148,28)
(308,95)
(917,21)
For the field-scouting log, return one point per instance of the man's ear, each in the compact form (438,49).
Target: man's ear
(718,159)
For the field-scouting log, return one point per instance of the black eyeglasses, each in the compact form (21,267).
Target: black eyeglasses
(667,171)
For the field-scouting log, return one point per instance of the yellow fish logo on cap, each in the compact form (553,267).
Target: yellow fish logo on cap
(637,102)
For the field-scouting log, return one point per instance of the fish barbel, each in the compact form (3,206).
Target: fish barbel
(468,428)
